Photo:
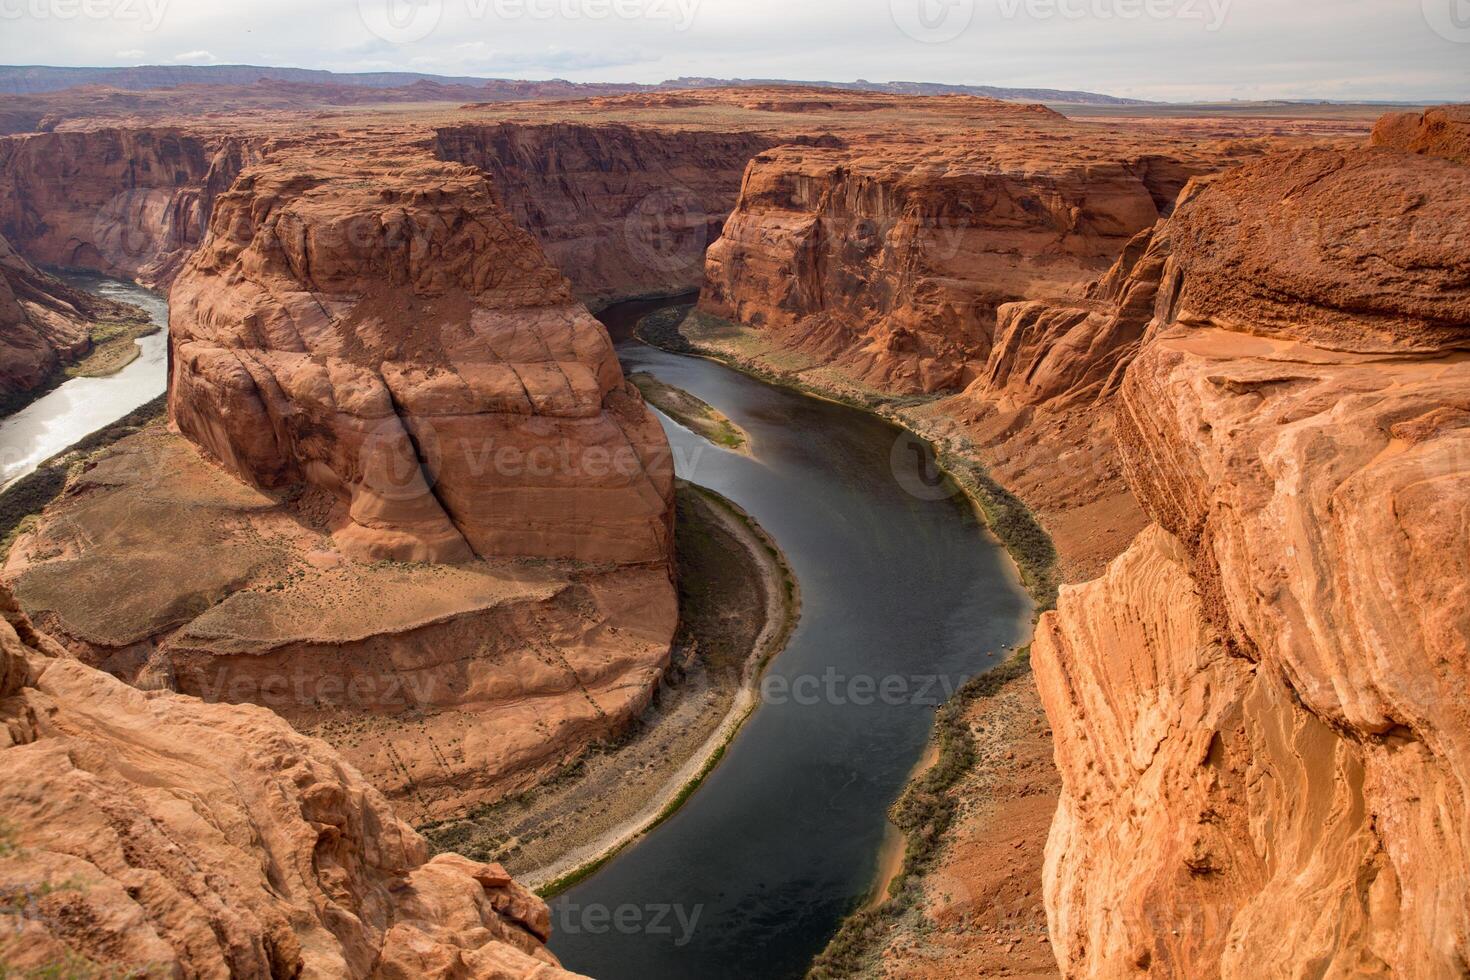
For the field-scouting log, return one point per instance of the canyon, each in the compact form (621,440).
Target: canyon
(407,500)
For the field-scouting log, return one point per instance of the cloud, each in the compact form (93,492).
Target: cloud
(196,56)
(130,53)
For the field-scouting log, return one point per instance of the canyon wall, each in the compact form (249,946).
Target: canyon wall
(1259,709)
(147,831)
(132,203)
(623,211)
(890,260)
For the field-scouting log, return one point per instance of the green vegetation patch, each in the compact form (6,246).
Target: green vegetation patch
(691,412)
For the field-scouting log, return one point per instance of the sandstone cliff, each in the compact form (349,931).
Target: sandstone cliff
(394,371)
(43,324)
(1259,709)
(132,203)
(622,211)
(890,259)
(152,832)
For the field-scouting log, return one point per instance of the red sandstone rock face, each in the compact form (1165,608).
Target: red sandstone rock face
(384,331)
(1260,712)
(150,831)
(1443,131)
(131,203)
(621,211)
(890,260)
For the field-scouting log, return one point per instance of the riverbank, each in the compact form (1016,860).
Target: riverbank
(686,330)
(735,616)
(968,898)
(126,365)
(114,347)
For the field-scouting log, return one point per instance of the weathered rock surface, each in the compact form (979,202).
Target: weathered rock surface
(132,203)
(446,685)
(381,329)
(891,259)
(622,211)
(151,831)
(395,371)
(1259,709)
(1443,131)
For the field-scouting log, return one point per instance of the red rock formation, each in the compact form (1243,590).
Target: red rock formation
(43,324)
(368,338)
(1259,710)
(147,831)
(131,203)
(890,260)
(622,211)
(382,330)
(1443,131)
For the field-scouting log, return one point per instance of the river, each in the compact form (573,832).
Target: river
(904,595)
(81,406)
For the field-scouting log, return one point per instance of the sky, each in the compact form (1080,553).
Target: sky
(1172,50)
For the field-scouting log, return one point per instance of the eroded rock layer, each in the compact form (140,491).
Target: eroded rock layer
(150,832)
(394,371)
(1259,709)
(890,259)
(43,324)
(132,203)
